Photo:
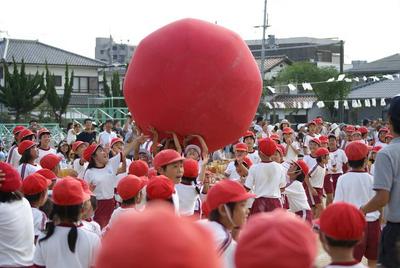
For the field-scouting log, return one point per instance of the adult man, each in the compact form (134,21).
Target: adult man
(107,135)
(87,135)
(387,190)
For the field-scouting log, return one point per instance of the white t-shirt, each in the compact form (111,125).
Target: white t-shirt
(27,169)
(255,158)
(39,221)
(117,212)
(13,156)
(187,198)
(356,188)
(42,153)
(222,239)
(16,234)
(104,178)
(296,196)
(231,172)
(120,176)
(379,143)
(358,265)
(106,137)
(291,155)
(63,162)
(54,252)
(372,170)
(71,136)
(266,179)
(92,226)
(310,161)
(317,176)
(78,168)
(337,158)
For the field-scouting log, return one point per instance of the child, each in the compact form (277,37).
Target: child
(64,151)
(337,160)
(13,156)
(292,147)
(161,188)
(66,243)
(266,179)
(313,145)
(276,239)
(16,221)
(35,188)
(314,182)
(79,164)
(349,136)
(89,207)
(372,157)
(231,170)
(339,243)
(295,192)
(381,137)
(44,138)
(52,162)
(249,139)
(356,187)
(311,134)
(227,205)
(29,153)
(138,168)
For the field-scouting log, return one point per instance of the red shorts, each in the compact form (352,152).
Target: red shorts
(369,245)
(103,212)
(305,215)
(265,204)
(335,178)
(328,184)
(314,199)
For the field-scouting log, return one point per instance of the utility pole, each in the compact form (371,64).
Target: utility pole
(263,42)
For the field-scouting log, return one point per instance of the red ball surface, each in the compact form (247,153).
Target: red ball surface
(194,77)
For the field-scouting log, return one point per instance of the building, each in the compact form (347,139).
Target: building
(387,65)
(324,52)
(110,52)
(273,65)
(36,55)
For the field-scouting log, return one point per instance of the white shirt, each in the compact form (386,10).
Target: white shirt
(54,252)
(337,158)
(266,179)
(255,158)
(379,143)
(296,196)
(27,169)
(42,153)
(13,156)
(308,138)
(231,172)
(356,188)
(310,161)
(291,155)
(92,226)
(106,137)
(221,238)
(372,170)
(187,198)
(104,178)
(358,265)
(117,212)
(175,200)
(121,175)
(317,175)
(71,136)
(39,221)
(78,168)
(16,232)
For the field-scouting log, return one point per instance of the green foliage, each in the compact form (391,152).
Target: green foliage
(115,91)
(22,92)
(59,104)
(308,72)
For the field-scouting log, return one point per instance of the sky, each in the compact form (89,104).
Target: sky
(370,28)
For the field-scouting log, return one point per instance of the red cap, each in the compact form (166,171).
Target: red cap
(160,187)
(25,133)
(34,184)
(129,186)
(152,173)
(43,131)
(376,148)
(267,146)
(280,149)
(350,128)
(190,168)
(115,140)
(321,152)
(89,151)
(166,157)
(226,191)
(25,145)
(356,151)
(323,139)
(76,144)
(303,166)
(356,133)
(138,168)
(248,161)
(316,140)
(352,222)
(68,192)
(318,121)
(276,239)
(249,134)
(241,147)
(12,179)
(287,130)
(50,161)
(384,129)
(363,130)
(47,173)
(157,237)
(18,129)
(275,137)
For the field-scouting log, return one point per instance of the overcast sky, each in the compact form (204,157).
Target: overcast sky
(370,28)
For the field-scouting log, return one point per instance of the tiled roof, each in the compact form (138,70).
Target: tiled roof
(290,99)
(390,64)
(35,52)
(381,89)
(271,62)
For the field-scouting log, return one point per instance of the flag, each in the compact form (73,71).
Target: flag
(273,91)
(336,104)
(373,102)
(341,77)
(292,87)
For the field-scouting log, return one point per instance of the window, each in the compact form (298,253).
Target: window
(121,59)
(114,47)
(102,51)
(115,57)
(57,80)
(84,84)
(93,84)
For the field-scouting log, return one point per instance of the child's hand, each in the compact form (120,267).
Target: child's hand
(314,192)
(142,139)
(2,177)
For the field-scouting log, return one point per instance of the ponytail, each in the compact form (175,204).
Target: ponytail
(72,237)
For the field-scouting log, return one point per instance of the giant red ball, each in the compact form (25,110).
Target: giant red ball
(194,77)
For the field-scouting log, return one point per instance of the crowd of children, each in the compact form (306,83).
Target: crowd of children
(124,199)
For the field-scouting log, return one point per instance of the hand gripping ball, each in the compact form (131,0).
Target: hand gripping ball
(193,77)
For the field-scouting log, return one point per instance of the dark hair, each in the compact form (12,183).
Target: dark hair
(28,138)
(395,124)
(169,200)
(215,216)
(244,164)
(130,201)
(9,197)
(69,125)
(318,159)
(300,177)
(67,154)
(108,121)
(33,120)
(71,213)
(259,119)
(116,121)
(86,120)
(93,202)
(26,156)
(356,163)
(340,243)
(34,198)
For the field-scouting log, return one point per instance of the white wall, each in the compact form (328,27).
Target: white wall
(274,71)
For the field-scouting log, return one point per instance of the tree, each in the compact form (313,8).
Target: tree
(115,91)
(59,104)
(308,72)
(22,92)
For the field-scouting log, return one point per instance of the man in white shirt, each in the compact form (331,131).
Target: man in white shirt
(107,135)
